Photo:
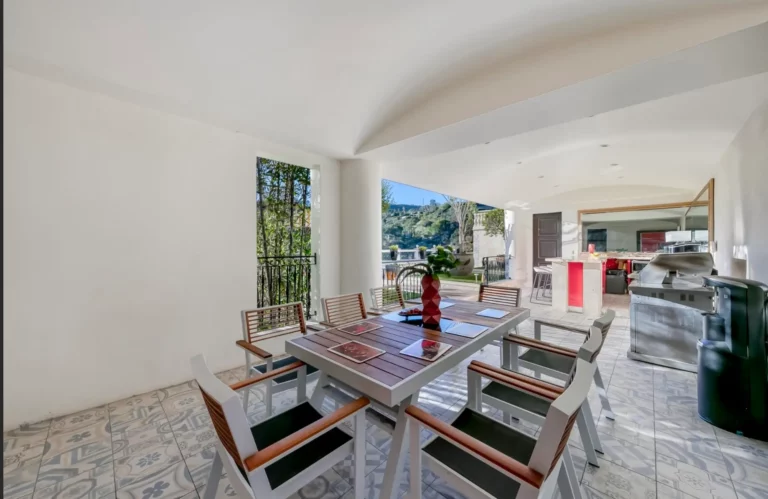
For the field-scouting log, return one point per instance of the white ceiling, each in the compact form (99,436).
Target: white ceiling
(667,148)
(333,75)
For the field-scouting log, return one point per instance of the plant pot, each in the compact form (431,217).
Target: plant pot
(393,254)
(466,264)
(422,254)
(430,301)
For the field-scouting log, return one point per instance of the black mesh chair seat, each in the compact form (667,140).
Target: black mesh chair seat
(262,368)
(559,363)
(493,433)
(517,398)
(287,423)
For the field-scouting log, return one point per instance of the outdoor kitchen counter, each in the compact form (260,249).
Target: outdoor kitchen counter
(577,285)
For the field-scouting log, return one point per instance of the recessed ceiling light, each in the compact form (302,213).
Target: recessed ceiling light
(603,145)
(621,177)
(614,164)
(541,176)
(519,162)
(487,143)
(557,186)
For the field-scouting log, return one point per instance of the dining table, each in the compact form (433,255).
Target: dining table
(392,380)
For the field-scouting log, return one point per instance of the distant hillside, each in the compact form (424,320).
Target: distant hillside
(410,226)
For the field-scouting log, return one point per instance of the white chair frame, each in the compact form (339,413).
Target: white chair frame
(550,463)
(377,299)
(296,313)
(236,448)
(585,421)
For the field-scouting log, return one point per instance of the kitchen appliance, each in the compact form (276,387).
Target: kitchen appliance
(732,362)
(667,298)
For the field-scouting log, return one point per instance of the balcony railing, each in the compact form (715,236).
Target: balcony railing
(411,285)
(285,279)
(494,269)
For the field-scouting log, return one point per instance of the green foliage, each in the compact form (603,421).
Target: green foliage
(411,226)
(386,195)
(439,262)
(393,247)
(493,222)
(422,248)
(283,209)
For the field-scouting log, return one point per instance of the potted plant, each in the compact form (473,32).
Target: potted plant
(422,252)
(393,251)
(440,261)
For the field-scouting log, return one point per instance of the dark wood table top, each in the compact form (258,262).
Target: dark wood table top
(392,376)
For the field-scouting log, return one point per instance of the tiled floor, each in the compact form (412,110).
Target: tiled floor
(160,444)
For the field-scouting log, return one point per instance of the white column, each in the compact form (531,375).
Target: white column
(509,243)
(360,228)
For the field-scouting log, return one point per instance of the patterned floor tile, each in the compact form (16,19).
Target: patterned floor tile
(618,483)
(326,486)
(20,482)
(132,403)
(83,419)
(373,459)
(137,418)
(701,453)
(692,480)
(76,451)
(667,492)
(94,484)
(24,438)
(168,483)
(131,442)
(133,468)
(628,455)
(629,431)
(23,456)
(748,468)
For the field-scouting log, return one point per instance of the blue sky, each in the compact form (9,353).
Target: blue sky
(405,194)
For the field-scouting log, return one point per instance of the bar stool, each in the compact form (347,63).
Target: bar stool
(542,280)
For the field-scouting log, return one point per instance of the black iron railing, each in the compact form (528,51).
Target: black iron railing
(286,279)
(494,268)
(411,285)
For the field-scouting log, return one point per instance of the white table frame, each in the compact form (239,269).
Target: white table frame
(393,400)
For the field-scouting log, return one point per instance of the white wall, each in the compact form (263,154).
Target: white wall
(360,222)
(482,244)
(129,246)
(741,201)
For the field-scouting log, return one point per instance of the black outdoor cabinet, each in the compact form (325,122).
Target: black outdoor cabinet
(733,366)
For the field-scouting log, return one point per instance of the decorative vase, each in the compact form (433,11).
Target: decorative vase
(430,301)
(393,254)
(422,254)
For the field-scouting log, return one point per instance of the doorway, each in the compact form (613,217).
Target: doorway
(547,237)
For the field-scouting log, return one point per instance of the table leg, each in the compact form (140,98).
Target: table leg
(393,473)
(318,395)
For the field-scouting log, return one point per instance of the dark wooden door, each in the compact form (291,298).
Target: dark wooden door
(547,237)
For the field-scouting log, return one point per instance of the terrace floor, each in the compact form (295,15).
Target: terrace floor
(160,444)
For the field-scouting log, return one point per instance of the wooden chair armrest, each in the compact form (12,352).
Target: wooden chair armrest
(515,382)
(521,377)
(266,376)
(540,345)
(560,325)
(251,348)
(293,440)
(518,470)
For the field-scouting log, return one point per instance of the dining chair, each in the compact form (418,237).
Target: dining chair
(521,404)
(343,309)
(280,455)
(265,323)
(553,360)
(482,457)
(387,298)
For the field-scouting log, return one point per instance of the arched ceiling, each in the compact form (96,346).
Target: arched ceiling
(341,76)
(652,152)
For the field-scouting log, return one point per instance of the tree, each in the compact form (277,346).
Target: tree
(386,195)
(462,210)
(493,222)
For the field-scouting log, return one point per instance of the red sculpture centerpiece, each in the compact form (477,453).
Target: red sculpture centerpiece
(441,261)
